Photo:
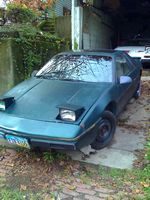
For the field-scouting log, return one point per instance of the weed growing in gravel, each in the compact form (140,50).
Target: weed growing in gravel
(51,156)
(2,148)
(48,157)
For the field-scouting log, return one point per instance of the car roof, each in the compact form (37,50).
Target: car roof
(106,52)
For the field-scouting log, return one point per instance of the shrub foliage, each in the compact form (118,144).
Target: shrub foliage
(35,47)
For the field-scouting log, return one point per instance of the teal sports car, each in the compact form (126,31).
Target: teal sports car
(71,102)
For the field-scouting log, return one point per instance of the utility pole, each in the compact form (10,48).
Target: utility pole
(77,25)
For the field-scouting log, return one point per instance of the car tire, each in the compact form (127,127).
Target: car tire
(105,131)
(137,94)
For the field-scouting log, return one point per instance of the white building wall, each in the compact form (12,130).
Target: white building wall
(97,30)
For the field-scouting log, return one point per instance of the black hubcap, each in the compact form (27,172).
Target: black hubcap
(104,130)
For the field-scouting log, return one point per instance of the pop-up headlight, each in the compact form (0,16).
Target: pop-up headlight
(5,102)
(67,115)
(70,112)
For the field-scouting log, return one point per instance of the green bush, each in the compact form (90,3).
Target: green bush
(34,47)
(38,47)
(19,13)
(47,25)
(1,13)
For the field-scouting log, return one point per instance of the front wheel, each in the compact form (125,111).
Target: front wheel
(105,131)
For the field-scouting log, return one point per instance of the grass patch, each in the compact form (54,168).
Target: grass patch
(137,181)
(133,175)
(7,194)
(134,183)
(16,194)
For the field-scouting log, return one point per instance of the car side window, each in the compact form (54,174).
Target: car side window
(122,66)
(131,61)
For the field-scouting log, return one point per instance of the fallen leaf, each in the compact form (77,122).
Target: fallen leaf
(71,187)
(110,198)
(146,185)
(61,163)
(137,191)
(23,187)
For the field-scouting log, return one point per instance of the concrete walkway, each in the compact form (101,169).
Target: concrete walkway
(129,138)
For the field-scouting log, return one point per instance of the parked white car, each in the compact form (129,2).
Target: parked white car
(137,48)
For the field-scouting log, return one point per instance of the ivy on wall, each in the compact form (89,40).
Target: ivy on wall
(35,46)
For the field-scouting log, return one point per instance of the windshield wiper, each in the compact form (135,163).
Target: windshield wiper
(46,76)
(42,76)
(69,79)
(49,75)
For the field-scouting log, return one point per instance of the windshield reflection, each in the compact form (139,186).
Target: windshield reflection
(89,68)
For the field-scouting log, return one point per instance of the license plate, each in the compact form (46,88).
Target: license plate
(22,142)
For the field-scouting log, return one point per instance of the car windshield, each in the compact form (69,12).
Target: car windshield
(89,68)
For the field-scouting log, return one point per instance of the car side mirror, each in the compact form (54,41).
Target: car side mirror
(125,79)
(34,73)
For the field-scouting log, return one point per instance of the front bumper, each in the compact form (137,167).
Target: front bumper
(47,135)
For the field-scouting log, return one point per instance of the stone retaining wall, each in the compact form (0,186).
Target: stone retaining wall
(10,60)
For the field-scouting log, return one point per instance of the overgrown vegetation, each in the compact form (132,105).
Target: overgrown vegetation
(18,13)
(35,47)
(32,34)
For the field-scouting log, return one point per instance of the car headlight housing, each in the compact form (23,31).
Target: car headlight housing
(67,115)
(5,102)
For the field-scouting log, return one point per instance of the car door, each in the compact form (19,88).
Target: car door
(125,90)
(136,71)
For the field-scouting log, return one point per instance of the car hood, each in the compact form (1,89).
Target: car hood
(39,99)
